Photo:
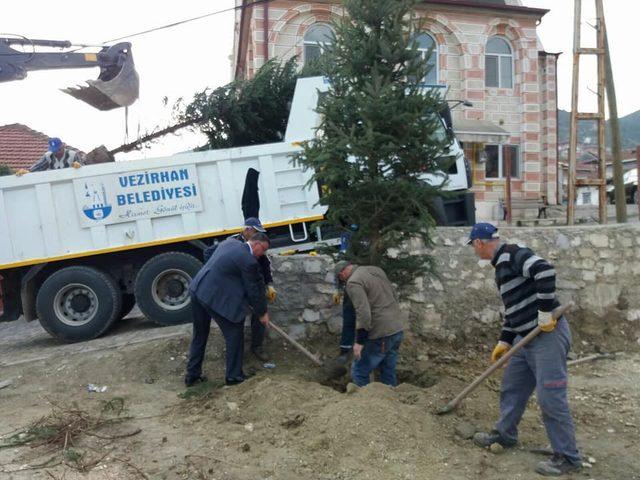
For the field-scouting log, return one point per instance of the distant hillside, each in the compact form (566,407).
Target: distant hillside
(629,129)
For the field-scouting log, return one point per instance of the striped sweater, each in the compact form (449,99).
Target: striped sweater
(527,283)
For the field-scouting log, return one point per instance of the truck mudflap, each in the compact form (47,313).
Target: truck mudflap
(455,211)
(10,303)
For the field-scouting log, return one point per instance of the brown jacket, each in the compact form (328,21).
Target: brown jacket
(377,310)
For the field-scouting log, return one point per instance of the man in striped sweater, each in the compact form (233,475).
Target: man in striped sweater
(527,285)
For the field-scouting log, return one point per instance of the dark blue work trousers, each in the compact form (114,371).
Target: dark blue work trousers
(233,337)
(348,336)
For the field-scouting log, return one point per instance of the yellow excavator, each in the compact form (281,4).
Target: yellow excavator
(117,85)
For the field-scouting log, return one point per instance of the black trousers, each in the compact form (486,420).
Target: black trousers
(233,337)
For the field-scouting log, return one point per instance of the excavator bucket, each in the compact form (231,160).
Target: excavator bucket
(117,85)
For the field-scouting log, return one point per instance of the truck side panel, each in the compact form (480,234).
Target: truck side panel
(41,215)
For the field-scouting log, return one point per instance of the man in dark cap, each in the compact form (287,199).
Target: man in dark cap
(58,156)
(527,285)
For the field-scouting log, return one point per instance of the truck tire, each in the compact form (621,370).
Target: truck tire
(162,287)
(78,303)
(128,302)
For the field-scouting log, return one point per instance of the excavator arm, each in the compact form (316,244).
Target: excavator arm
(117,85)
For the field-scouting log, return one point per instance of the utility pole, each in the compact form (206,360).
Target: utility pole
(614,125)
(599,52)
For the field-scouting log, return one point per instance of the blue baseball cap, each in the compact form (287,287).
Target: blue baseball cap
(253,222)
(54,144)
(483,231)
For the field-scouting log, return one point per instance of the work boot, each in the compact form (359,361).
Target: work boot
(190,382)
(230,382)
(486,439)
(260,353)
(556,466)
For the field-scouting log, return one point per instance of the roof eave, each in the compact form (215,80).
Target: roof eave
(538,12)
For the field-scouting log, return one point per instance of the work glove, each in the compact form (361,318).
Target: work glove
(337,298)
(76,165)
(500,349)
(21,171)
(546,322)
(271,293)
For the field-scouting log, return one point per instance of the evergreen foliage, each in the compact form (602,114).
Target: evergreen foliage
(378,137)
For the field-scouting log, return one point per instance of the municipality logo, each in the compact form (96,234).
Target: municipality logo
(96,206)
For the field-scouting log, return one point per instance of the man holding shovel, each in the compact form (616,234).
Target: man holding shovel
(379,326)
(527,286)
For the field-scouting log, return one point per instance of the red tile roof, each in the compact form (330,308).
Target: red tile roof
(21,146)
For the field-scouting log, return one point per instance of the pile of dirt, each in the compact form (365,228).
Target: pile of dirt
(374,432)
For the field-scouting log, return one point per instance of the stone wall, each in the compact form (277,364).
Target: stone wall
(598,268)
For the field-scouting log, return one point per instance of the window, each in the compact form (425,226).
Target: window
(316,37)
(497,158)
(428,48)
(586,198)
(498,64)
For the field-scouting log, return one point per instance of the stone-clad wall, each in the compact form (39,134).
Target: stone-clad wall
(598,268)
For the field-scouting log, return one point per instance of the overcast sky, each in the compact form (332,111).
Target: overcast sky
(180,61)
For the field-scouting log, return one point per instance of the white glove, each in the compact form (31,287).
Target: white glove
(546,322)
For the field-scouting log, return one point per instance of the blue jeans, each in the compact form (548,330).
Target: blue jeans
(348,336)
(540,366)
(382,354)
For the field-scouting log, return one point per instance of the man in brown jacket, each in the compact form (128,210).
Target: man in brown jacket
(378,322)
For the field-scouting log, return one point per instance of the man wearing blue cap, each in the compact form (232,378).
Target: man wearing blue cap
(58,156)
(527,285)
(252,226)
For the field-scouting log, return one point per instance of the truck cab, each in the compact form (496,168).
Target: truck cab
(458,208)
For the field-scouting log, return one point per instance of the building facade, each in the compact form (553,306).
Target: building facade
(484,51)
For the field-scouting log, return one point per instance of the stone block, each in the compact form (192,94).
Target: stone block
(599,240)
(297,331)
(326,288)
(318,300)
(600,296)
(334,324)
(633,315)
(312,266)
(310,316)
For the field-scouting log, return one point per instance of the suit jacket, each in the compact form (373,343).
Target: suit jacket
(230,282)
(263,261)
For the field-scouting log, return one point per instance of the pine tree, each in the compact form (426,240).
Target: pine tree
(379,135)
(244,112)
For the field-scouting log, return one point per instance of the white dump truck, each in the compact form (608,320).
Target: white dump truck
(78,248)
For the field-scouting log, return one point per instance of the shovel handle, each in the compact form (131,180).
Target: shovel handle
(557,313)
(293,342)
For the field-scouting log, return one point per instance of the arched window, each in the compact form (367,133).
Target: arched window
(428,48)
(498,63)
(316,36)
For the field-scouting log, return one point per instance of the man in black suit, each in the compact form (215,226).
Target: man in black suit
(252,226)
(228,284)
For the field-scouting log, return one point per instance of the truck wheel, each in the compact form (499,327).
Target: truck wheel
(162,287)
(128,302)
(78,303)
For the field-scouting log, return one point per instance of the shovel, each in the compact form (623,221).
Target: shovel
(331,371)
(449,407)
